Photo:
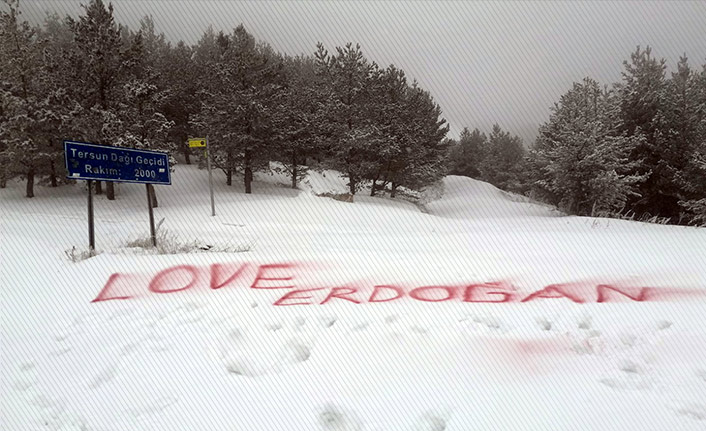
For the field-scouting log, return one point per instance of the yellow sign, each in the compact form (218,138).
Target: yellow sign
(197,143)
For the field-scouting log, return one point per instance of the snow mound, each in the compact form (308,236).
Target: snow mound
(326,181)
(468,198)
(315,182)
(228,358)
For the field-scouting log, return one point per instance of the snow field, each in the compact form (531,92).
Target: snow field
(228,359)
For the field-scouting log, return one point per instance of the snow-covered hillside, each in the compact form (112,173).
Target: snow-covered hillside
(394,331)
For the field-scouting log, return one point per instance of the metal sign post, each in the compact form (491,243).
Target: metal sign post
(203,143)
(210,178)
(86,161)
(153,233)
(91,231)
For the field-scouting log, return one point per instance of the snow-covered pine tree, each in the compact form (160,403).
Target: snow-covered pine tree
(679,139)
(140,100)
(100,61)
(581,154)
(389,92)
(295,124)
(466,155)
(237,100)
(641,94)
(693,178)
(57,116)
(22,150)
(502,158)
(423,159)
(178,76)
(208,121)
(351,132)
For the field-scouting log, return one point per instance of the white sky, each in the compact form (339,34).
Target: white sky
(484,62)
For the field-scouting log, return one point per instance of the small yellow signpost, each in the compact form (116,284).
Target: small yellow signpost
(197,143)
(203,143)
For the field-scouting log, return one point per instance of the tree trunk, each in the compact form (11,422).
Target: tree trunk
(374,187)
(99,188)
(187,150)
(52,174)
(393,192)
(30,183)
(153,197)
(351,184)
(248,174)
(110,190)
(3,180)
(229,169)
(294,169)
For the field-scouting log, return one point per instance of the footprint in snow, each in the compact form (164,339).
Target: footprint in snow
(691,410)
(419,329)
(544,324)
(585,323)
(629,366)
(274,327)
(629,340)
(155,407)
(701,374)
(299,322)
(664,324)
(249,356)
(333,418)
(431,422)
(327,321)
(104,376)
(360,327)
(628,381)
(489,322)
(589,344)
(295,352)
(27,377)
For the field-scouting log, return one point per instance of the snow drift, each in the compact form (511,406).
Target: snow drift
(228,358)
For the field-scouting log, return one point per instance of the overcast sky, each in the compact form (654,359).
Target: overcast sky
(484,63)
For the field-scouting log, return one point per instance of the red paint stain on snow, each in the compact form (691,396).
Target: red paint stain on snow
(290,276)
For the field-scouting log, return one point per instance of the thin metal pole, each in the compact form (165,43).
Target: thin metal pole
(153,234)
(210,178)
(91,231)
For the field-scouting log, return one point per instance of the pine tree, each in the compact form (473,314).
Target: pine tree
(693,177)
(423,159)
(237,101)
(139,102)
(58,114)
(642,109)
(389,94)
(179,77)
(466,155)
(581,154)
(294,119)
(353,135)
(502,158)
(21,103)
(100,62)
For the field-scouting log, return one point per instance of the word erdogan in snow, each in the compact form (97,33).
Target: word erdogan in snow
(287,280)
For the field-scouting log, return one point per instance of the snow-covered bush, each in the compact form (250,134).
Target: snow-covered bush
(78,255)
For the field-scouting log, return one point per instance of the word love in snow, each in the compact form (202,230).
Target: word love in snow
(283,278)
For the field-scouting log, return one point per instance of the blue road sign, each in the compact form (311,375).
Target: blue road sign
(86,161)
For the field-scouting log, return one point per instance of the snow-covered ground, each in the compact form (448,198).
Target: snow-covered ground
(178,355)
